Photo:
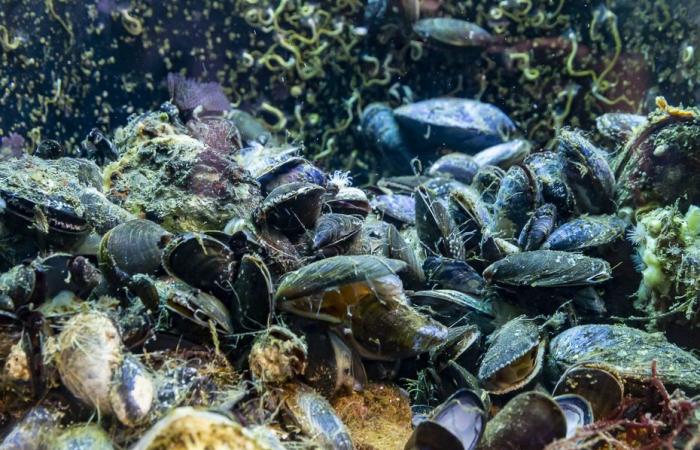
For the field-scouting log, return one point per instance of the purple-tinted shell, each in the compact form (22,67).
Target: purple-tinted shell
(396,208)
(459,166)
(459,124)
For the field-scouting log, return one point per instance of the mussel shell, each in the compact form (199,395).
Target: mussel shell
(452,307)
(436,229)
(548,268)
(659,160)
(132,393)
(460,124)
(514,357)
(538,227)
(351,201)
(18,286)
(577,410)
(199,429)
(332,272)
(455,424)
(462,347)
(471,215)
(32,430)
(504,155)
(618,127)
(332,365)
(585,233)
(316,418)
(398,209)
(102,213)
(601,388)
(626,351)
(201,261)
(453,32)
(548,168)
(334,233)
(277,356)
(383,239)
(393,330)
(518,195)
(529,421)
(82,437)
(382,132)
(588,173)
(291,207)
(487,182)
(132,247)
(459,166)
(251,302)
(454,274)
(289,170)
(194,305)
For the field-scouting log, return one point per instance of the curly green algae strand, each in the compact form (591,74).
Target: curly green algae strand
(131,24)
(8,42)
(281,122)
(66,25)
(338,128)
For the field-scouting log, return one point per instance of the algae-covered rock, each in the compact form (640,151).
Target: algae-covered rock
(668,250)
(172,178)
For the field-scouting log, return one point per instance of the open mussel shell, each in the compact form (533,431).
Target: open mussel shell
(333,366)
(601,388)
(627,352)
(529,421)
(462,346)
(201,261)
(336,283)
(548,268)
(251,300)
(315,417)
(291,207)
(436,229)
(514,357)
(334,233)
(586,232)
(455,424)
(587,172)
(131,248)
(577,410)
(193,305)
(451,307)
(470,214)
(389,329)
(659,160)
(349,200)
(487,182)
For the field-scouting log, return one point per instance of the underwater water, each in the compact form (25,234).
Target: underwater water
(350,224)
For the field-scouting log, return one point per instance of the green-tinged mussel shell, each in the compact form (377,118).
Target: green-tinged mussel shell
(529,421)
(332,272)
(628,352)
(548,268)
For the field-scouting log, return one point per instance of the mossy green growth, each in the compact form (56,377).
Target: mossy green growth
(668,247)
(166,175)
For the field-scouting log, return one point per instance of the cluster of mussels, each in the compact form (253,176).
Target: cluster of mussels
(202,287)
